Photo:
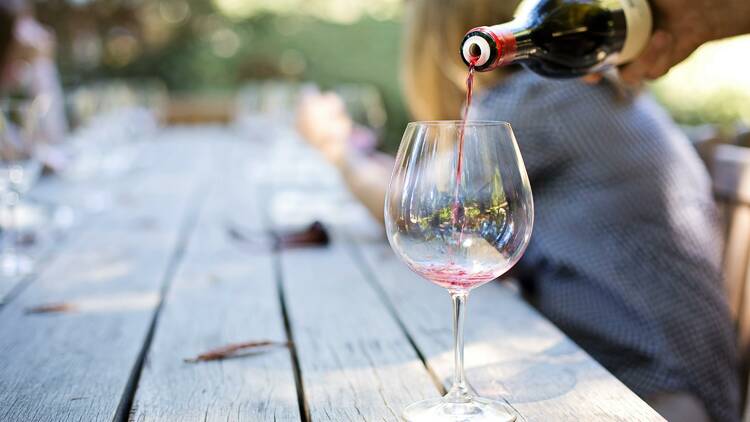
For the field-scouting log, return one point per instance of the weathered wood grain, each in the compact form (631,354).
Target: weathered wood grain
(355,361)
(85,200)
(512,352)
(76,366)
(737,268)
(225,291)
(346,310)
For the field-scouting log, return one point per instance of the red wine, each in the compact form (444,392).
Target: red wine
(562,38)
(459,159)
(469,94)
(453,277)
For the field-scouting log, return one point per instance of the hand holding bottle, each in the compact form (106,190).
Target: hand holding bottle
(562,38)
(570,38)
(681,27)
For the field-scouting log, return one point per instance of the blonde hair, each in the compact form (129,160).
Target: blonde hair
(432,72)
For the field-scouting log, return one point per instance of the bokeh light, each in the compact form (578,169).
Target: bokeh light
(225,42)
(341,11)
(219,45)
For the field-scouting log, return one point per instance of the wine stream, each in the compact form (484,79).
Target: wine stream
(459,160)
(465,117)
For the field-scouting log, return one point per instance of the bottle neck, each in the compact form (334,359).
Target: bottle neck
(514,42)
(489,47)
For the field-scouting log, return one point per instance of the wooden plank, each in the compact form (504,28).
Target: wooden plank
(512,352)
(86,199)
(743,340)
(731,182)
(737,265)
(224,292)
(355,361)
(737,256)
(77,366)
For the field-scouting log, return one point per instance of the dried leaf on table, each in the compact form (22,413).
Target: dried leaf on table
(52,308)
(232,350)
(314,234)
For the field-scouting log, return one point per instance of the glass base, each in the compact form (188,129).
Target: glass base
(475,409)
(14,264)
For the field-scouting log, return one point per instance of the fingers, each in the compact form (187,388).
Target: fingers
(662,55)
(655,61)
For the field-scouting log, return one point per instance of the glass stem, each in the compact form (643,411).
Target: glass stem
(459,392)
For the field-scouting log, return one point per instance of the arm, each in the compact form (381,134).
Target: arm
(367,179)
(323,121)
(681,26)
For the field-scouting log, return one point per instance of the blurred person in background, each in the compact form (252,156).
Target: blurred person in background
(27,66)
(625,256)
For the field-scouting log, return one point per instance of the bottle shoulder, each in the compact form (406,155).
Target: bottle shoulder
(571,39)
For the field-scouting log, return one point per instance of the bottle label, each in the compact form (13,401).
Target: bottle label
(639,24)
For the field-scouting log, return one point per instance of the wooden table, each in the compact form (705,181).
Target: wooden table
(158,277)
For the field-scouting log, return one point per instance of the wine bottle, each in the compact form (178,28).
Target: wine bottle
(562,38)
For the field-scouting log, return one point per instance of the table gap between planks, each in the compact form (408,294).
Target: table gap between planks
(164,275)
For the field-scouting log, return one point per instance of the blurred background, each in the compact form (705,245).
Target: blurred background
(129,68)
(212,49)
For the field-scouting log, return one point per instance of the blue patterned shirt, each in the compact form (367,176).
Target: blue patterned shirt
(626,252)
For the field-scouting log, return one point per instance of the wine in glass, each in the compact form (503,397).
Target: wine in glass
(459,212)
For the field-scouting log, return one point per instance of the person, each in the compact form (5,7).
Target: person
(27,66)
(681,27)
(625,255)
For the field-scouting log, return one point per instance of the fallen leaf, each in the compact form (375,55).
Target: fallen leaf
(51,308)
(231,350)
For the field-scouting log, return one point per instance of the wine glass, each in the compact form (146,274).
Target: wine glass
(20,132)
(459,212)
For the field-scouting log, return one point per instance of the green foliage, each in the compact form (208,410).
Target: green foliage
(365,52)
(326,53)
(724,107)
(204,51)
